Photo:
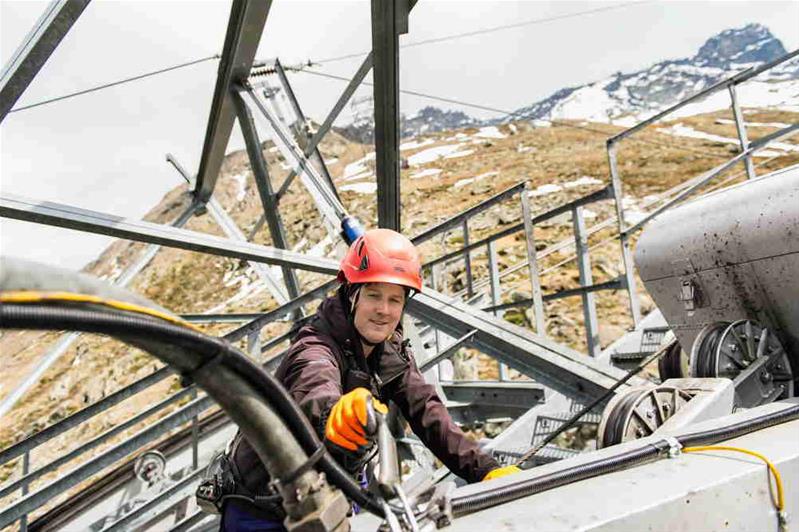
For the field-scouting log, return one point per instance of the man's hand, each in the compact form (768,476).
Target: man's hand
(501,472)
(352,422)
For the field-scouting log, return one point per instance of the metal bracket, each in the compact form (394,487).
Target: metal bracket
(675,447)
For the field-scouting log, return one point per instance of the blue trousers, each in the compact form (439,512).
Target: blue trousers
(236,519)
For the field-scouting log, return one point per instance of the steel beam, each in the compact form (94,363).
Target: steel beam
(268,201)
(59,215)
(386,22)
(303,136)
(514,395)
(245,26)
(326,201)
(550,363)
(354,83)
(36,49)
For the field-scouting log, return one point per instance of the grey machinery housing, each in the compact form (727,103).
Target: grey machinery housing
(724,271)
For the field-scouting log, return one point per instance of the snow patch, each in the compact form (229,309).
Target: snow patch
(521,148)
(544,190)
(490,132)
(582,182)
(469,180)
(778,125)
(241,181)
(681,130)
(412,145)
(455,155)
(369,187)
(429,172)
(432,154)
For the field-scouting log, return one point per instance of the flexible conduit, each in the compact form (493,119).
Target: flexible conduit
(145,332)
(492,497)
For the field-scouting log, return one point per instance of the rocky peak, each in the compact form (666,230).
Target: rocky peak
(753,43)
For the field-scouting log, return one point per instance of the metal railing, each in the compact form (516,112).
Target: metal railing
(585,289)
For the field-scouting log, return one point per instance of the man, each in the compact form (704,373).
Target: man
(352,354)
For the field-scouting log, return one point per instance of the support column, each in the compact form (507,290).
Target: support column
(467,260)
(627,258)
(586,279)
(532,262)
(386,22)
(740,126)
(493,274)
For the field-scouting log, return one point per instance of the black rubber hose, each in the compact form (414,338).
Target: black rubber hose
(126,326)
(492,497)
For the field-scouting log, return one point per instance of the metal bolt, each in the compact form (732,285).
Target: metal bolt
(666,408)
(765,376)
(650,414)
(733,348)
(639,432)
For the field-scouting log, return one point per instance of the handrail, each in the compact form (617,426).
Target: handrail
(456,220)
(753,147)
(599,195)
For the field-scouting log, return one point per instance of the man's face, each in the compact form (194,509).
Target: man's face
(379,310)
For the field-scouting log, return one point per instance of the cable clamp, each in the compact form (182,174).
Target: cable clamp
(674,446)
(783,518)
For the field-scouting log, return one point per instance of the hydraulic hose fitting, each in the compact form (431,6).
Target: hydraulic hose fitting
(351,229)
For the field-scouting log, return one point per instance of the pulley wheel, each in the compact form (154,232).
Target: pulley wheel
(703,353)
(150,467)
(639,413)
(752,356)
(674,364)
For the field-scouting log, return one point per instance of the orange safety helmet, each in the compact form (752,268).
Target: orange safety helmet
(382,256)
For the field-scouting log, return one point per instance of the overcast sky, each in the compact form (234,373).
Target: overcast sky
(105,151)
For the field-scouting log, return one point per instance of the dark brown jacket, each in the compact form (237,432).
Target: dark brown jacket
(326,361)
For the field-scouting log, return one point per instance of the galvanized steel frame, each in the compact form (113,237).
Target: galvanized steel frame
(35,50)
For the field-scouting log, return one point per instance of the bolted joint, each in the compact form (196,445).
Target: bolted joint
(314,506)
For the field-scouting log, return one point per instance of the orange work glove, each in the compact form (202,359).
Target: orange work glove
(352,422)
(501,472)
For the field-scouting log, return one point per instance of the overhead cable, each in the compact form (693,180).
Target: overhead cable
(483,31)
(115,83)
(510,114)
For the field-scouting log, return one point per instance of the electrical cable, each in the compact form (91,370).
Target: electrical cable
(510,114)
(779,502)
(494,496)
(19,296)
(144,330)
(115,83)
(493,29)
